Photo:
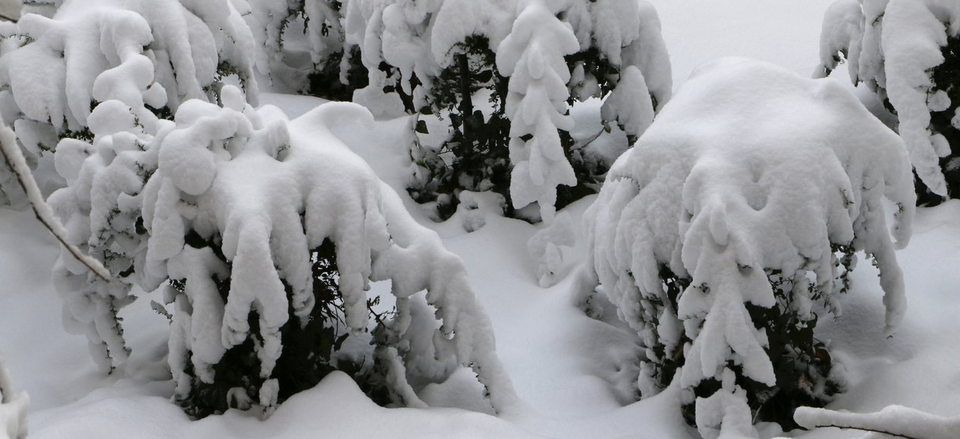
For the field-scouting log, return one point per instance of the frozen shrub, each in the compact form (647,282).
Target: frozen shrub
(267,238)
(908,52)
(722,246)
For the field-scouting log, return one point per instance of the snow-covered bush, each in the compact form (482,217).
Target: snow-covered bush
(315,59)
(13,407)
(149,55)
(908,52)
(267,238)
(445,58)
(722,246)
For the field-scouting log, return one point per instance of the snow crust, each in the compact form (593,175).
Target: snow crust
(752,196)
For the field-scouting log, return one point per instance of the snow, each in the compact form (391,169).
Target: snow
(574,375)
(786,33)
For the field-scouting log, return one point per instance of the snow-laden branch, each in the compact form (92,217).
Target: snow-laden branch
(897,421)
(15,160)
(150,55)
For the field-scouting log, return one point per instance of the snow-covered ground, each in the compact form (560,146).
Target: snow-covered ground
(571,372)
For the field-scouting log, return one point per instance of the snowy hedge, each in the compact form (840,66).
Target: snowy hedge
(908,52)
(267,239)
(149,55)
(723,245)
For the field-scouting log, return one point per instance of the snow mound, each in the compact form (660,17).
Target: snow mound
(778,172)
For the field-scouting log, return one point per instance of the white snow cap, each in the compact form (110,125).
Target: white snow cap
(777,169)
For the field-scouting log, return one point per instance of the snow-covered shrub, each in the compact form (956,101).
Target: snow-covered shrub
(441,58)
(315,59)
(533,57)
(908,52)
(722,246)
(267,238)
(149,55)
(13,407)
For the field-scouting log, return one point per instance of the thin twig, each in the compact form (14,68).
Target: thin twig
(33,196)
(8,18)
(870,430)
